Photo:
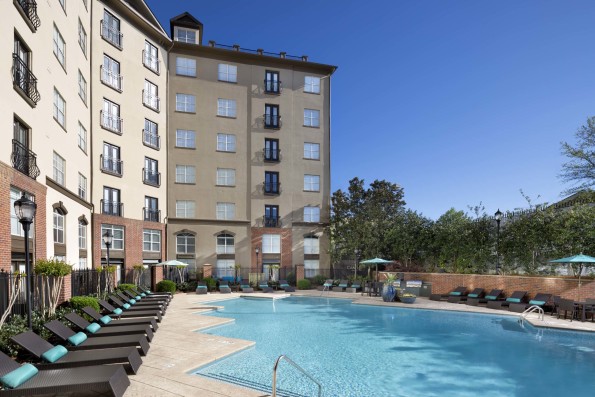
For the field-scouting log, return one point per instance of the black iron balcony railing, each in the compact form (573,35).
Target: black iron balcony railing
(111,35)
(272,121)
(151,177)
(271,155)
(272,187)
(272,87)
(271,221)
(111,122)
(111,165)
(151,214)
(151,139)
(151,101)
(150,61)
(111,79)
(115,208)
(24,160)
(29,8)
(24,79)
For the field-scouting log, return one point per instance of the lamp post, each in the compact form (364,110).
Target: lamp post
(107,240)
(356,253)
(25,212)
(257,251)
(498,217)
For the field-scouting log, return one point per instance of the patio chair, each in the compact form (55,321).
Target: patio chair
(53,357)
(119,312)
(540,300)
(224,287)
(516,297)
(162,295)
(80,341)
(357,285)
(245,286)
(149,292)
(132,308)
(201,288)
(459,291)
(107,321)
(97,330)
(458,295)
(264,286)
(567,305)
(285,286)
(493,295)
(139,304)
(343,284)
(328,285)
(590,308)
(26,380)
(153,299)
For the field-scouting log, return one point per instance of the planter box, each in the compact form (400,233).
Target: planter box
(407,299)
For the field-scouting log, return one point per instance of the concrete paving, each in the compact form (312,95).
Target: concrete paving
(178,349)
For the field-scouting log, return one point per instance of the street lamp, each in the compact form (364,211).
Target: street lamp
(257,251)
(498,217)
(25,211)
(356,253)
(107,240)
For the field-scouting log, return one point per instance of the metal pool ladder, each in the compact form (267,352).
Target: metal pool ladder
(290,361)
(531,309)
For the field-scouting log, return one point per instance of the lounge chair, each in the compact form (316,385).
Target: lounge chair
(457,295)
(160,295)
(224,287)
(540,300)
(201,288)
(139,298)
(475,294)
(139,304)
(343,284)
(357,285)
(567,305)
(285,286)
(132,308)
(80,341)
(493,295)
(516,297)
(53,357)
(264,286)
(149,292)
(459,291)
(328,285)
(245,286)
(107,321)
(119,312)
(96,329)
(97,380)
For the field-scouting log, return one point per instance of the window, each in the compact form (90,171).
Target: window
(58,227)
(59,47)
(82,87)
(271,150)
(110,73)
(271,116)
(226,143)
(185,35)
(82,263)
(226,107)
(225,244)
(186,138)
(151,240)
(271,182)
(224,268)
(151,172)
(226,211)
(59,109)
(151,96)
(311,267)
(151,134)
(185,243)
(151,210)
(312,183)
(185,209)
(271,244)
(272,84)
(312,84)
(110,204)
(82,38)
(228,73)
(82,235)
(82,186)
(82,137)
(185,174)
(185,66)
(23,78)
(311,118)
(117,233)
(311,245)
(185,103)
(110,159)
(226,177)
(151,57)
(311,214)
(271,216)
(312,151)
(110,117)
(59,167)
(110,29)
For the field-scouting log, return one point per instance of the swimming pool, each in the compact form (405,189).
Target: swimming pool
(359,350)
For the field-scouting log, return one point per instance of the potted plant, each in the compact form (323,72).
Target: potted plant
(388,290)
(407,297)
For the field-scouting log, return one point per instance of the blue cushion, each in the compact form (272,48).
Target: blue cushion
(117,311)
(105,319)
(455,293)
(77,338)
(473,295)
(143,294)
(126,306)
(287,285)
(137,298)
(132,301)
(54,354)
(538,303)
(491,297)
(15,378)
(513,300)
(93,328)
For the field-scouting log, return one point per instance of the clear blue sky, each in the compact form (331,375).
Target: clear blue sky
(458,101)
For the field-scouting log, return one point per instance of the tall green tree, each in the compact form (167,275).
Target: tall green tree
(451,239)
(579,169)
(575,234)
(410,237)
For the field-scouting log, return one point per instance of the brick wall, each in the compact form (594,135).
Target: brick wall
(299,273)
(286,247)
(207,271)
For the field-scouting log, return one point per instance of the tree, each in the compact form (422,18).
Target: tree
(451,234)
(409,237)
(580,167)
(575,234)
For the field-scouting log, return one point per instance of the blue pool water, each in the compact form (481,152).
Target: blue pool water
(356,350)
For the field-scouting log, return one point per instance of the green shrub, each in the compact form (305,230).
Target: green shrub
(52,267)
(290,278)
(126,287)
(189,286)
(211,283)
(166,286)
(78,302)
(304,284)
(318,279)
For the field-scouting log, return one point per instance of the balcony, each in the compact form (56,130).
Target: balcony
(272,87)
(111,35)
(151,101)
(24,80)
(272,188)
(271,221)
(114,208)
(111,165)
(24,160)
(151,139)
(111,122)
(29,10)
(271,155)
(151,62)
(152,178)
(111,79)
(272,121)
(151,214)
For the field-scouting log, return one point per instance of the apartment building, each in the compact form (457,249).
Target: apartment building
(44,152)
(249,157)
(128,122)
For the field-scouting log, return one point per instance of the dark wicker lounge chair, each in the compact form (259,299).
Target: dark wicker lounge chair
(245,286)
(149,292)
(224,287)
(140,304)
(493,295)
(132,308)
(516,297)
(201,288)
(357,285)
(153,299)
(285,286)
(119,312)
(343,284)
(37,346)
(457,292)
(567,305)
(76,342)
(97,380)
(107,321)
(264,286)
(540,300)
(96,329)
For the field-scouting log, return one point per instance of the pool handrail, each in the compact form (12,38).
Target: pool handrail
(303,371)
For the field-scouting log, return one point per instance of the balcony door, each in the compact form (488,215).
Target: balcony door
(21,134)
(111,158)
(271,215)
(111,201)
(271,149)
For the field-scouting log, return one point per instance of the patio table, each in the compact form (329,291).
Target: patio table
(582,308)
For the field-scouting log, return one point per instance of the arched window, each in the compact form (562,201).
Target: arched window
(225,244)
(58,226)
(311,245)
(185,243)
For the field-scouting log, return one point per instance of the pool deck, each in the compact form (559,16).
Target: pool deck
(177,350)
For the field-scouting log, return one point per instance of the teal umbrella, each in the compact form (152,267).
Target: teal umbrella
(581,260)
(375,261)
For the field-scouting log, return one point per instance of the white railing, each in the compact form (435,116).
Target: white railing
(110,78)
(150,61)
(303,371)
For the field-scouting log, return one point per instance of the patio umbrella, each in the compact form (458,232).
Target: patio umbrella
(171,262)
(375,261)
(580,259)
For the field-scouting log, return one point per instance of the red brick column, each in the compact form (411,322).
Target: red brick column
(66,292)
(299,272)
(207,271)
(156,276)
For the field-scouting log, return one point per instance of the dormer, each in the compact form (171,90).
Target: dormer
(186,29)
